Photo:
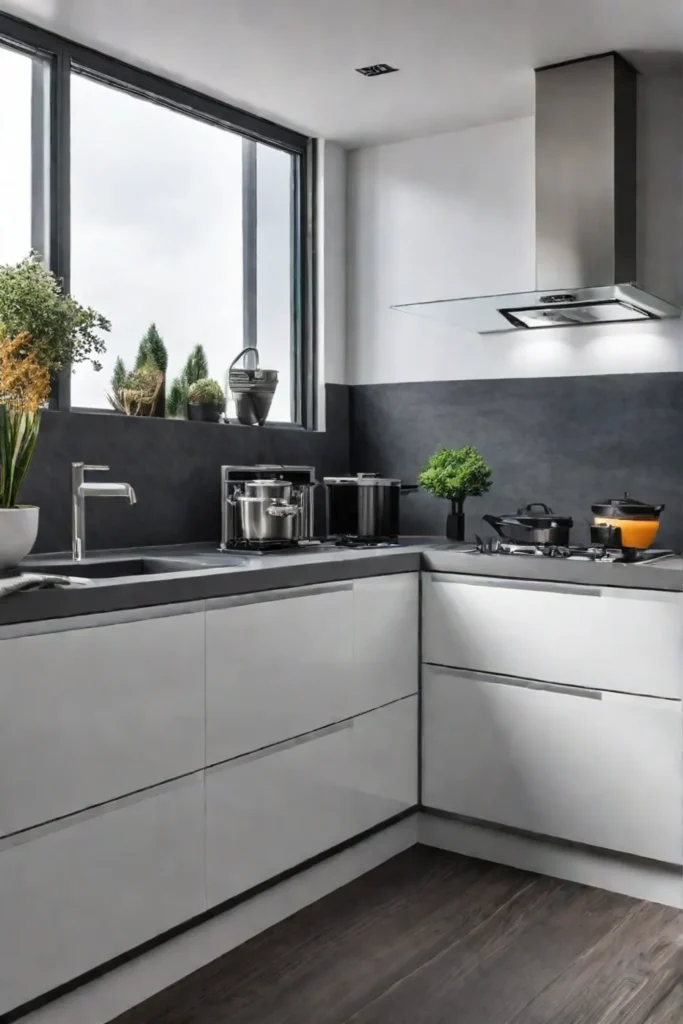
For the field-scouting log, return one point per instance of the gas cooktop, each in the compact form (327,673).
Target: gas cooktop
(597,553)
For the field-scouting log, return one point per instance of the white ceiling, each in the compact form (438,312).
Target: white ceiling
(462,62)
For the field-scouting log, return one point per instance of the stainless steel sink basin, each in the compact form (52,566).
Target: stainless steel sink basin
(111,568)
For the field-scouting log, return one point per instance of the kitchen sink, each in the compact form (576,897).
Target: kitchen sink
(101,568)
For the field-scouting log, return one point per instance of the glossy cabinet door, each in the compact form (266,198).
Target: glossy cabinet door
(386,625)
(277,665)
(605,638)
(598,768)
(271,811)
(95,887)
(90,714)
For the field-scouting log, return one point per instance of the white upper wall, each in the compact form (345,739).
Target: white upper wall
(453,215)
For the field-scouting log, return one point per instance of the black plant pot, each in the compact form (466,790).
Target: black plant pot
(205,412)
(455,526)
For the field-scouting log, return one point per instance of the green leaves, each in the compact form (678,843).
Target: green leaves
(152,350)
(18,436)
(118,377)
(205,390)
(456,474)
(62,331)
(197,366)
(196,369)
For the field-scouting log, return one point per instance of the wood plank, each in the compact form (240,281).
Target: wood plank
(622,978)
(670,1009)
(332,958)
(493,973)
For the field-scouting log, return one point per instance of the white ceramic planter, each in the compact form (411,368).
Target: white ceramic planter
(18,532)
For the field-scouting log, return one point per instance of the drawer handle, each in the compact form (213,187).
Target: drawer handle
(278,748)
(263,596)
(521,682)
(547,586)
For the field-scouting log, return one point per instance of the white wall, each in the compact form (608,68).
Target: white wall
(453,215)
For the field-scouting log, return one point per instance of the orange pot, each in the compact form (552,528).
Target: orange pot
(635,533)
(638,521)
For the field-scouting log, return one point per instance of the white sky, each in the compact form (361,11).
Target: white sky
(156,228)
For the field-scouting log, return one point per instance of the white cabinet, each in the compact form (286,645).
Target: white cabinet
(602,769)
(607,638)
(94,888)
(89,714)
(386,619)
(277,665)
(270,811)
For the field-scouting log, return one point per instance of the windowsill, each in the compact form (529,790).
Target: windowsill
(275,425)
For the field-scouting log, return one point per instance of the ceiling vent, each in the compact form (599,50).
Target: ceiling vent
(372,70)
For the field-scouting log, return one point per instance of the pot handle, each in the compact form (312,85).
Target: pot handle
(534,504)
(409,488)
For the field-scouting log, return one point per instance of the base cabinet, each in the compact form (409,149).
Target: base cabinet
(609,638)
(271,811)
(73,898)
(597,768)
(90,714)
(276,666)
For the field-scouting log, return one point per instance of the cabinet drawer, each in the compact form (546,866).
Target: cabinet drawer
(278,665)
(606,638)
(601,769)
(269,812)
(90,714)
(386,621)
(74,898)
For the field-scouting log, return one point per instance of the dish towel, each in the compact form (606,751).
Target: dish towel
(37,581)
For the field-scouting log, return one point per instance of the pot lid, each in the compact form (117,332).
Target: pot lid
(363,480)
(537,516)
(626,508)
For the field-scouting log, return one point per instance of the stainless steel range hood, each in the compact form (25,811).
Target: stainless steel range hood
(585,210)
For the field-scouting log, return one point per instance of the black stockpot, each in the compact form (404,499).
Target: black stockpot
(364,507)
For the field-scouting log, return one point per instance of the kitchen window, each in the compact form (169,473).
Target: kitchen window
(163,209)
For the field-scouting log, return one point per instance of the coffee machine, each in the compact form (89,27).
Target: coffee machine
(266,507)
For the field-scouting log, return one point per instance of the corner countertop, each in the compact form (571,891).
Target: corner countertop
(209,576)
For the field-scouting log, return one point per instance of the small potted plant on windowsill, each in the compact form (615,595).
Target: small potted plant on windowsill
(456,474)
(205,401)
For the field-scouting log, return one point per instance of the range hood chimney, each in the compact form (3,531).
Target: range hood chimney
(586,113)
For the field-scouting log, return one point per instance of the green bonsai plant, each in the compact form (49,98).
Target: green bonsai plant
(456,474)
(62,331)
(205,390)
(205,400)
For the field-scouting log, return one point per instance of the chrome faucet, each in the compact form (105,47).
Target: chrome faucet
(82,489)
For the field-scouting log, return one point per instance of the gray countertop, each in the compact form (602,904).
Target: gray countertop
(208,576)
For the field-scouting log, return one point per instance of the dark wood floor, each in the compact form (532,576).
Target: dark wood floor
(435,938)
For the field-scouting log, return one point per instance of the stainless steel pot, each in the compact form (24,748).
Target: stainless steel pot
(267,512)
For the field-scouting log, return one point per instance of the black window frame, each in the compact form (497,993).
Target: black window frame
(64,58)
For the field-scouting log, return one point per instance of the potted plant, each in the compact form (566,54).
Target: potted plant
(205,401)
(456,474)
(142,391)
(42,330)
(196,368)
(138,393)
(61,331)
(24,389)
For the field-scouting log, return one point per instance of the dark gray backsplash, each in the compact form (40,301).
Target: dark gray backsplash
(174,468)
(566,441)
